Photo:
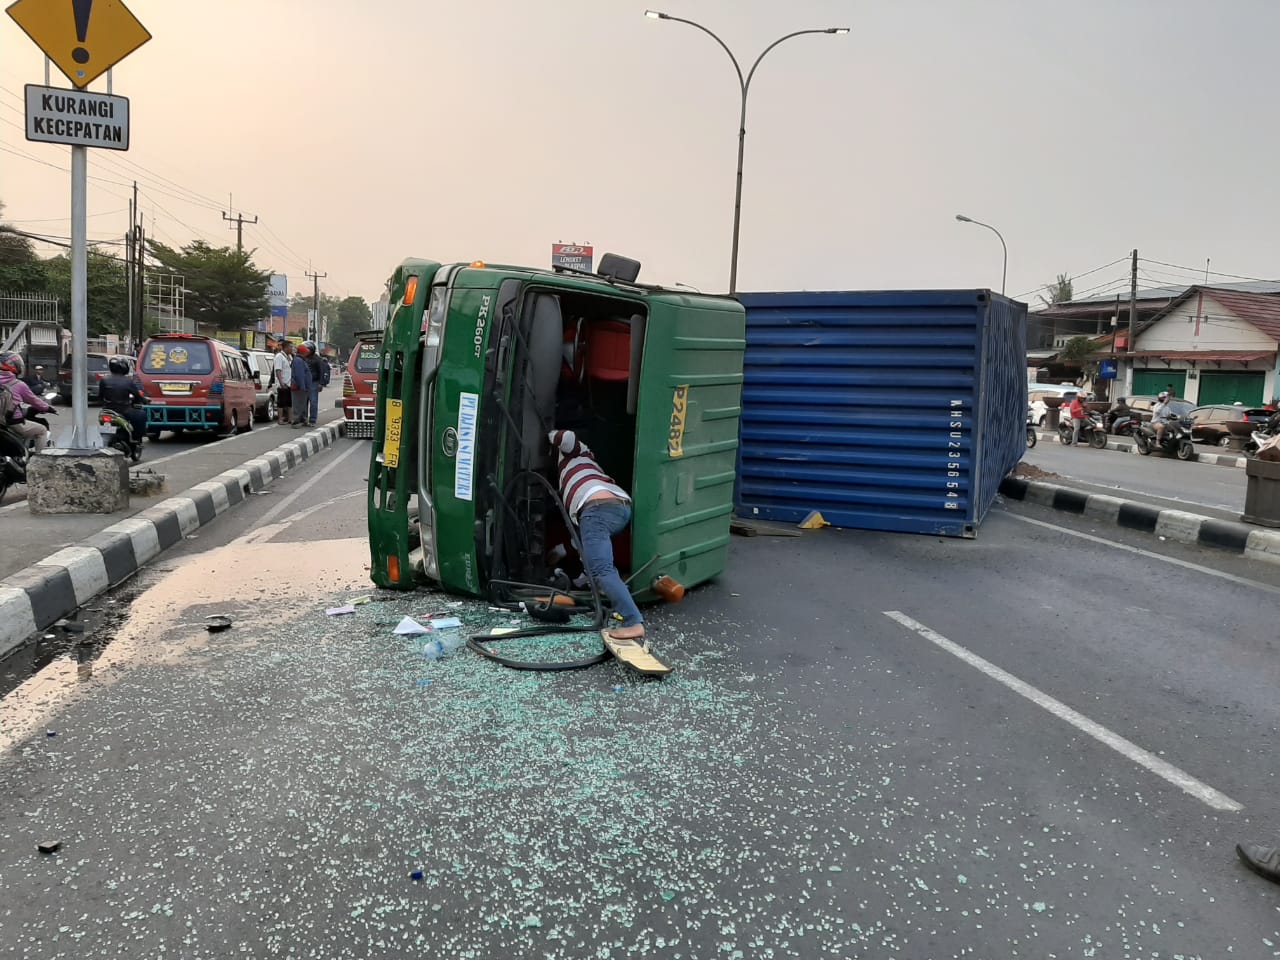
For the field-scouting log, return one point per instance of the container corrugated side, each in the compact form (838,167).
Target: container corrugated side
(870,407)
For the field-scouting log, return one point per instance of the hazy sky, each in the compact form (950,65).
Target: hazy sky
(364,132)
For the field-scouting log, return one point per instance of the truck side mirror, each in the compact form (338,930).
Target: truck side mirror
(617,267)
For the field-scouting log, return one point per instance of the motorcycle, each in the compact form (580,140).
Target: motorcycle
(1176,439)
(117,433)
(13,460)
(1031,429)
(1260,436)
(1091,430)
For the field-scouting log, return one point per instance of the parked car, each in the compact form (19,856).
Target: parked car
(195,383)
(1143,405)
(360,385)
(260,368)
(95,371)
(1218,423)
(1036,392)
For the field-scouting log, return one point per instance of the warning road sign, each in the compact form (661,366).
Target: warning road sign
(85,38)
(59,115)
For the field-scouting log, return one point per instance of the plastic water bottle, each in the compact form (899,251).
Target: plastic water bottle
(443,645)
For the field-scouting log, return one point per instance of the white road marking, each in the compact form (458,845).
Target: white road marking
(263,531)
(1126,748)
(1185,564)
(257,428)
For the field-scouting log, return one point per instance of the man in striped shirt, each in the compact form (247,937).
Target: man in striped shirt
(601,509)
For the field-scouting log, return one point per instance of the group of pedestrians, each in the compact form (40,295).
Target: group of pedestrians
(299,373)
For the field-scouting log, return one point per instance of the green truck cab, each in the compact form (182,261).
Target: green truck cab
(480,361)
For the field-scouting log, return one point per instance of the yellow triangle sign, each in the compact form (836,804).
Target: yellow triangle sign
(85,38)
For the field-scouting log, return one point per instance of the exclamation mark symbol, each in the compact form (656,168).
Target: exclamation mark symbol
(81,8)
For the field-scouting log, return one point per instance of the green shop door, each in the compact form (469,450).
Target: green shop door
(1151,382)
(1244,386)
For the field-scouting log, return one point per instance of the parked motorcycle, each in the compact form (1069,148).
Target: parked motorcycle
(1176,439)
(1260,436)
(1031,429)
(117,433)
(1091,431)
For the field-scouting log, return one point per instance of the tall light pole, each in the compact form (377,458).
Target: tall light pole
(745,86)
(1004,273)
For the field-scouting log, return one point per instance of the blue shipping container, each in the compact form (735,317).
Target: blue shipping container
(891,410)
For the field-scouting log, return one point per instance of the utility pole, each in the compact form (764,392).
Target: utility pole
(315,305)
(128,275)
(239,222)
(140,279)
(1133,316)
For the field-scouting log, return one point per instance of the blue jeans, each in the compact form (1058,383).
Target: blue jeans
(596,524)
(315,402)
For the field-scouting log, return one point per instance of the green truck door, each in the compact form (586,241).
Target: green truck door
(687,411)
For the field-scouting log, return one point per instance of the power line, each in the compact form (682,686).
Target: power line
(1078,276)
(1200,271)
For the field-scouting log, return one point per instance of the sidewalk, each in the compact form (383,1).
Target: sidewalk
(86,554)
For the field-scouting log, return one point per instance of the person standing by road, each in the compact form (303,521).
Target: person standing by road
(300,386)
(319,379)
(1078,417)
(601,509)
(282,377)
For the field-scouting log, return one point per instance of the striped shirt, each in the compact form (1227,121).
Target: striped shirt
(580,475)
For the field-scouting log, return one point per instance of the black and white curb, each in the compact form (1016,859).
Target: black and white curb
(1253,542)
(1216,459)
(61,583)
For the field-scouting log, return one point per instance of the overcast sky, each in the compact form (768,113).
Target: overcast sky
(364,132)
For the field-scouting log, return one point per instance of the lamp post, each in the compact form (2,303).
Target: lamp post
(745,86)
(1005,271)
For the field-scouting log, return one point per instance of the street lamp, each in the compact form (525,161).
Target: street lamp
(1004,273)
(745,86)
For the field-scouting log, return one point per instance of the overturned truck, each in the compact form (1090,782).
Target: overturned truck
(478,364)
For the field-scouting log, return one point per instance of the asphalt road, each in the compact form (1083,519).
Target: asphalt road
(1196,484)
(1040,743)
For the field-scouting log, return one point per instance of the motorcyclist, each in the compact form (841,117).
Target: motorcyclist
(36,381)
(1119,411)
(122,393)
(11,370)
(1160,414)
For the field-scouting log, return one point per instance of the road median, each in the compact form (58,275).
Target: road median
(1132,513)
(34,598)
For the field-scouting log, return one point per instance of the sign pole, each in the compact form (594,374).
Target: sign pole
(81,437)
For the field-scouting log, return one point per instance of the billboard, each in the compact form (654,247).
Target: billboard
(574,256)
(278,292)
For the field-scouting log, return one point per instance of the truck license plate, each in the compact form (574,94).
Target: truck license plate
(391,445)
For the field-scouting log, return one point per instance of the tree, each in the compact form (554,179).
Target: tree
(354,315)
(21,271)
(1058,292)
(106,291)
(222,286)
(1081,352)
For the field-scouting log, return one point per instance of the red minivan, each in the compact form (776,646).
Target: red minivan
(195,383)
(360,384)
